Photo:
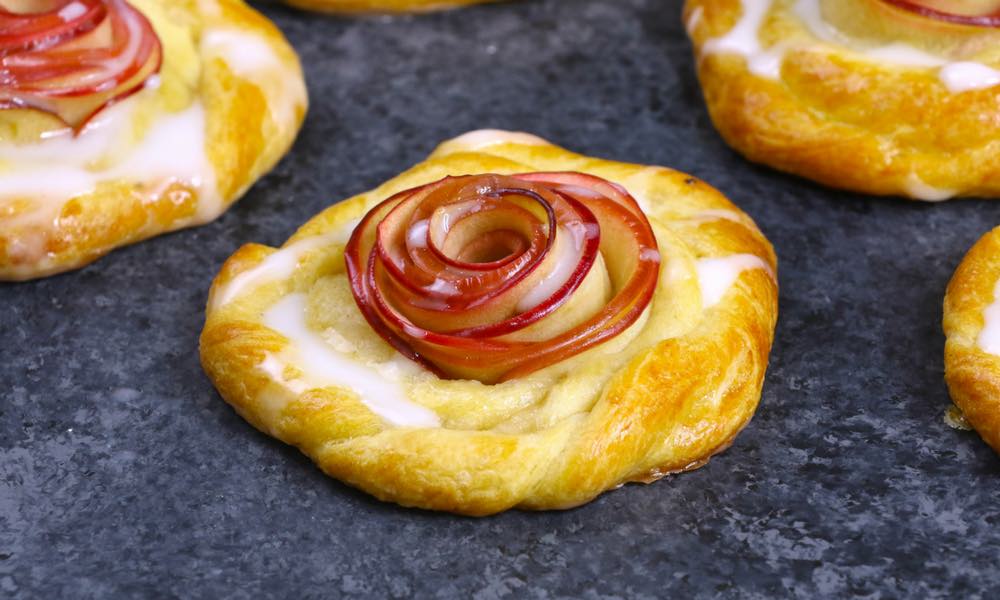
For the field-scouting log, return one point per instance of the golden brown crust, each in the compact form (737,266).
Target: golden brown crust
(244,140)
(973,375)
(670,407)
(818,119)
(381,6)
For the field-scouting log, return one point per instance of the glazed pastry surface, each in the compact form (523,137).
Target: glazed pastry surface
(972,328)
(855,94)
(224,107)
(288,348)
(382,6)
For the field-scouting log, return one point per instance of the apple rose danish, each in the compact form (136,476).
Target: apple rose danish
(887,97)
(530,335)
(972,328)
(121,120)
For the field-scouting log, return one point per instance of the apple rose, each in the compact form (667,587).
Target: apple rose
(983,13)
(492,277)
(72,58)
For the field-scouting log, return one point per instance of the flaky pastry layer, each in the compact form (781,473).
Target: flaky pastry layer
(845,119)
(662,397)
(972,373)
(250,121)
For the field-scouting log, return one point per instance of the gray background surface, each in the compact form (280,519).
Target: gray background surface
(123,473)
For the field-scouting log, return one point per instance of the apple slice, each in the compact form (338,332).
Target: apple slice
(40,25)
(491,277)
(73,58)
(980,13)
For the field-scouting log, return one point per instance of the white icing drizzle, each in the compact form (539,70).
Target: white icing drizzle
(252,57)
(717,275)
(60,167)
(989,337)
(919,189)
(377,385)
(280,265)
(245,54)
(744,39)
(483,138)
(694,19)
(964,76)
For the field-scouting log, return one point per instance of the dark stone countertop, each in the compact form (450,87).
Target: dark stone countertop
(122,473)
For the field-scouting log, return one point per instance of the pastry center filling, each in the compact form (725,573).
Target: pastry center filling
(304,293)
(73,58)
(493,277)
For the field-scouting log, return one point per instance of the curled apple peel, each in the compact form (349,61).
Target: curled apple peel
(493,277)
(73,58)
(981,13)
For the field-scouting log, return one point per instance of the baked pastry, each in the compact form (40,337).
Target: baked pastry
(886,97)
(972,329)
(120,120)
(381,6)
(430,343)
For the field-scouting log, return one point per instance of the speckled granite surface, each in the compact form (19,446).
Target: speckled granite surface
(123,474)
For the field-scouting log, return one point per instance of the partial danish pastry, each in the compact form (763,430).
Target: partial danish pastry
(972,328)
(382,6)
(884,97)
(120,120)
(507,324)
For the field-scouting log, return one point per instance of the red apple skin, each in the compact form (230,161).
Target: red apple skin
(987,20)
(37,31)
